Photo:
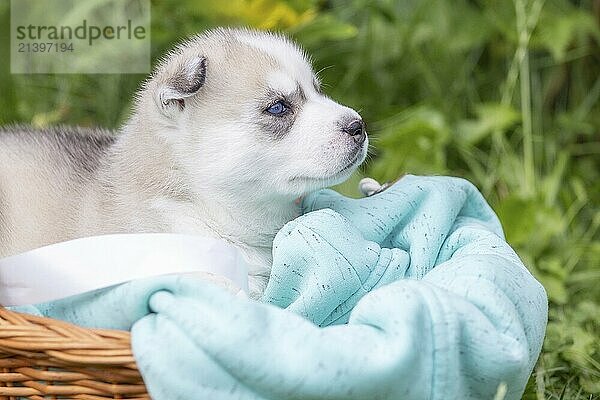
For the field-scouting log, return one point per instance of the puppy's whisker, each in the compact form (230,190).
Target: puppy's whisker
(318,73)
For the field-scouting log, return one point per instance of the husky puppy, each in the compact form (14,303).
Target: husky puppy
(226,134)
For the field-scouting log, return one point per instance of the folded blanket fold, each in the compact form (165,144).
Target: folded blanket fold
(410,294)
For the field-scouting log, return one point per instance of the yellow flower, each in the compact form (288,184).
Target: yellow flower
(261,14)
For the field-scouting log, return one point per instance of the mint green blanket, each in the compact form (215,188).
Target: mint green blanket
(410,294)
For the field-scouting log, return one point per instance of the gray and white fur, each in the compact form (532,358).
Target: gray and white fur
(202,153)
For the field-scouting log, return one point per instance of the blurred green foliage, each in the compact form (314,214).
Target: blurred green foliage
(504,93)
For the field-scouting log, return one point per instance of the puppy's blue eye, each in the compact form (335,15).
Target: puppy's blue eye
(278,108)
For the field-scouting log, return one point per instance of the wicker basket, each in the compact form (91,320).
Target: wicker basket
(43,358)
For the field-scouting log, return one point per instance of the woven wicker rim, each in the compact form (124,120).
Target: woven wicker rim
(42,357)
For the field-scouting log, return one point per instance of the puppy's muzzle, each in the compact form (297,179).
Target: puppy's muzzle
(356,130)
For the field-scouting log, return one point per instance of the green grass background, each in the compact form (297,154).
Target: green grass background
(502,92)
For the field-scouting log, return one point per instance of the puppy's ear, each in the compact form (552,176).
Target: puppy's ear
(181,81)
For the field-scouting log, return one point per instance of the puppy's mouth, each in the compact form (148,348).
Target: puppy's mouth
(351,164)
(356,159)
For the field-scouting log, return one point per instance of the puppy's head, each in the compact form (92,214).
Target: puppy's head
(243,111)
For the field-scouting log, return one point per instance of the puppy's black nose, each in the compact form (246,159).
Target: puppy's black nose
(356,129)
